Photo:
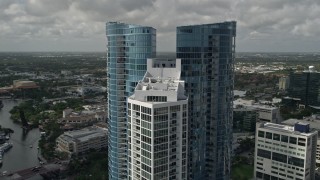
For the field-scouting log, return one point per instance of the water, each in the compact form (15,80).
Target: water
(20,156)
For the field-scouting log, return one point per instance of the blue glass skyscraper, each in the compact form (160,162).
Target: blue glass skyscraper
(129,46)
(207,55)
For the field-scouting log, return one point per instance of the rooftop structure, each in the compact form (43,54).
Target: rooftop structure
(162,78)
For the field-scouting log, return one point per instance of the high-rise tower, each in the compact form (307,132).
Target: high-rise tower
(207,55)
(129,46)
(157,124)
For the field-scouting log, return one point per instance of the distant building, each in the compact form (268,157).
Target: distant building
(69,116)
(81,141)
(83,90)
(157,124)
(305,86)
(66,72)
(285,152)
(24,84)
(269,114)
(283,83)
(265,113)
(244,119)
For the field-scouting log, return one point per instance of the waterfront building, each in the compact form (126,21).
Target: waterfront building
(285,152)
(207,55)
(129,46)
(82,141)
(157,124)
(305,86)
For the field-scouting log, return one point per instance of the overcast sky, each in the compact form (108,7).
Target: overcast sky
(79,25)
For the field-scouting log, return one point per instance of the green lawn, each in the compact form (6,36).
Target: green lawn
(242,172)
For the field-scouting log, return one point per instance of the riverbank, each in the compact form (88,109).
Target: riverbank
(21,155)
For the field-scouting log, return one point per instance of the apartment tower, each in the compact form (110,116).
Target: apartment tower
(157,124)
(128,48)
(207,55)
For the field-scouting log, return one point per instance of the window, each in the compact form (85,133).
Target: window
(279,157)
(296,161)
(293,140)
(259,174)
(268,135)
(301,142)
(261,134)
(157,98)
(264,153)
(284,138)
(276,137)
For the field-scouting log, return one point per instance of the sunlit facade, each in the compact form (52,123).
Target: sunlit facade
(129,46)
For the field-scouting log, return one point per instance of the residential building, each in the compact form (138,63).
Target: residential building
(157,124)
(207,55)
(305,86)
(129,46)
(284,83)
(81,141)
(285,152)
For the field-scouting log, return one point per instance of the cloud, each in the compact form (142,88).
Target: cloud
(271,25)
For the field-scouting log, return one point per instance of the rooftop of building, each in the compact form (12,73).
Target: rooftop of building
(84,134)
(161,79)
(289,129)
(211,24)
(241,103)
(313,120)
(127,25)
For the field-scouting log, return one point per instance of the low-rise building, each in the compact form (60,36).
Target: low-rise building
(285,152)
(81,141)
(314,122)
(83,117)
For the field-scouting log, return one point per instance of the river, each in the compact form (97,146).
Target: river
(24,153)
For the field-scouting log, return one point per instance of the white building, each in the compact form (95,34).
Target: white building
(285,152)
(269,114)
(82,90)
(157,124)
(314,122)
